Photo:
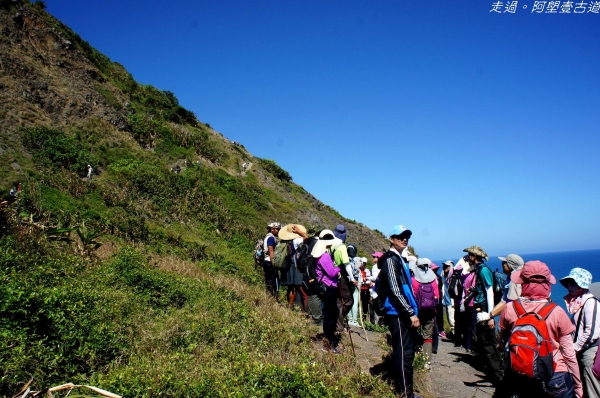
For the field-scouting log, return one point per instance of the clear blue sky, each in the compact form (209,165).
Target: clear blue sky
(465,125)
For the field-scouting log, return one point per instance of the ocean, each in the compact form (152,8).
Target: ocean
(560,263)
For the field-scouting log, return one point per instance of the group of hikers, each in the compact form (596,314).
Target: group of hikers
(526,344)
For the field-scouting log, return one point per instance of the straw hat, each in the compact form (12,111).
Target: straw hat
(476,250)
(286,232)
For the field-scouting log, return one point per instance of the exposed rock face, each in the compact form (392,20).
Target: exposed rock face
(45,79)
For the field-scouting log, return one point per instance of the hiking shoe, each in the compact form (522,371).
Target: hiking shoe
(442,334)
(354,324)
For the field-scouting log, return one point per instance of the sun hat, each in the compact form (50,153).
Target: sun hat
(399,230)
(377,254)
(286,232)
(530,270)
(340,232)
(582,277)
(514,261)
(326,238)
(423,271)
(363,260)
(274,225)
(434,267)
(476,250)
(448,263)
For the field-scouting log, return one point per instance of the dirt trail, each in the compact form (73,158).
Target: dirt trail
(454,373)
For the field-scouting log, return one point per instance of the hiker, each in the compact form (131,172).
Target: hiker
(339,252)
(291,276)
(536,280)
(511,291)
(447,302)
(401,317)
(353,272)
(89,172)
(327,273)
(439,316)
(426,291)
(375,319)
(244,166)
(364,283)
(269,249)
(483,301)
(309,293)
(584,310)
(464,314)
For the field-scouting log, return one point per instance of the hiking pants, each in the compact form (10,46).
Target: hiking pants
(427,318)
(353,314)
(450,315)
(403,353)
(486,348)
(514,386)
(315,309)
(344,302)
(270,278)
(591,385)
(330,314)
(365,296)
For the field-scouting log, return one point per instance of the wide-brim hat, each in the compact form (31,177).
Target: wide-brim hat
(423,272)
(326,238)
(285,233)
(476,250)
(448,263)
(582,277)
(514,261)
(532,269)
(377,254)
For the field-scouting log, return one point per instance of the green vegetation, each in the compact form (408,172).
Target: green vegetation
(140,280)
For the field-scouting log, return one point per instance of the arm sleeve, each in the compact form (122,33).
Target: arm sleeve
(436,289)
(328,266)
(568,353)
(585,330)
(489,291)
(397,296)
(349,271)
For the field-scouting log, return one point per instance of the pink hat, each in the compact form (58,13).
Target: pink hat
(377,254)
(434,267)
(533,269)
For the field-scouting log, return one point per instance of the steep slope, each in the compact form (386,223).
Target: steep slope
(158,306)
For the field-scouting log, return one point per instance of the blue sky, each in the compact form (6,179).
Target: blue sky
(465,125)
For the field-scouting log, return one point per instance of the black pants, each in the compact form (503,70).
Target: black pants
(514,386)
(330,314)
(270,278)
(486,348)
(345,301)
(365,296)
(403,353)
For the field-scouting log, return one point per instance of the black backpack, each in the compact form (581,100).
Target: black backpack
(311,280)
(303,255)
(455,286)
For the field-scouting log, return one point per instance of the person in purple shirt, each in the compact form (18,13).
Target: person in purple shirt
(327,273)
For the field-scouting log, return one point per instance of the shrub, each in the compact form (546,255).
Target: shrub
(273,168)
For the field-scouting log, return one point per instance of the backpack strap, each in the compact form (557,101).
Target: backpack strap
(593,321)
(547,310)
(519,308)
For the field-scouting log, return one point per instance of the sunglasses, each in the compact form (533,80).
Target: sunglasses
(400,238)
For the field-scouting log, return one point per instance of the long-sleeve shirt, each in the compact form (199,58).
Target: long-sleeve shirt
(327,272)
(589,326)
(559,331)
(396,285)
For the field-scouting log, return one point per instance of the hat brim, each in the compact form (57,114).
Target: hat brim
(503,259)
(515,277)
(286,233)
(564,281)
(321,246)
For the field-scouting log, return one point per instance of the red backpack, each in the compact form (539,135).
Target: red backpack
(529,349)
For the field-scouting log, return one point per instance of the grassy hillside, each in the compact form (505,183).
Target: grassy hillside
(140,280)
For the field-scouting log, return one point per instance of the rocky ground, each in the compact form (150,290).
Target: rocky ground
(454,373)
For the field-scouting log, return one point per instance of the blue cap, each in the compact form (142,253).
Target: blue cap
(400,230)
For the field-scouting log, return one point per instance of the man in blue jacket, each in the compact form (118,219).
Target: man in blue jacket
(401,308)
